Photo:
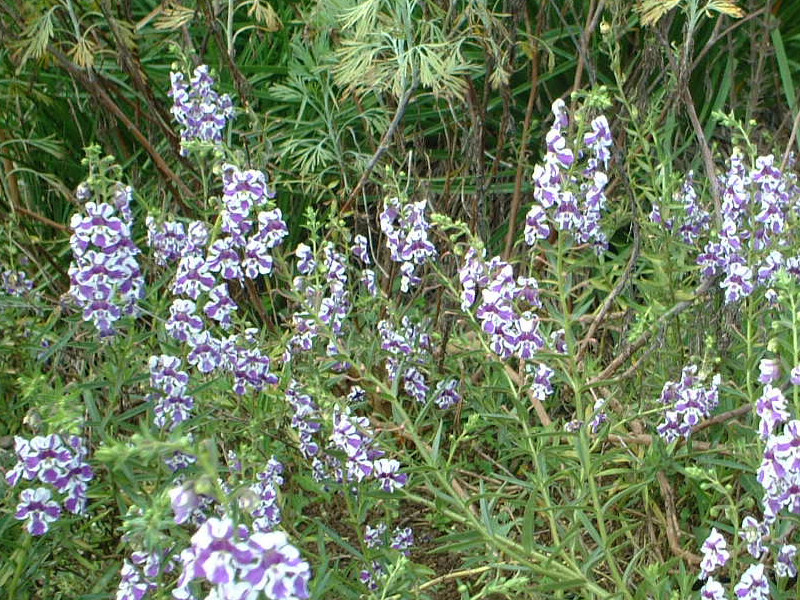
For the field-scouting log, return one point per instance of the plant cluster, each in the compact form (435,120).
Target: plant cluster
(330,375)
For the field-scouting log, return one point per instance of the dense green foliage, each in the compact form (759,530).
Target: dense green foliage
(345,105)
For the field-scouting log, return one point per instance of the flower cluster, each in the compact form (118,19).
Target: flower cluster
(574,203)
(139,575)
(747,249)
(238,563)
(692,219)
(506,311)
(171,240)
(325,301)
(57,465)
(779,473)
(409,349)
(402,539)
(105,279)
(171,402)
(15,283)
(304,420)
(406,231)
(197,107)
(686,403)
(353,437)
(715,554)
(264,505)
(446,394)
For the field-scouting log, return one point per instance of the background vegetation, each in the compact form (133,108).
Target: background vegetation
(343,104)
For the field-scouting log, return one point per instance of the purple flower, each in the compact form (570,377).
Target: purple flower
(686,404)
(223,258)
(192,277)
(402,539)
(771,409)
(15,283)
(386,472)
(446,394)
(712,590)
(168,240)
(305,259)
(360,250)
(770,370)
(105,280)
(753,533)
(753,585)
(206,353)
(715,553)
(241,564)
(542,382)
(183,324)
(794,376)
(406,231)
(200,111)
(374,536)
(220,306)
(277,568)
(38,509)
(785,562)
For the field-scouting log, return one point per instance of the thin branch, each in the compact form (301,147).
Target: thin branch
(516,199)
(385,140)
(673,525)
(623,282)
(92,84)
(583,50)
(629,350)
(42,219)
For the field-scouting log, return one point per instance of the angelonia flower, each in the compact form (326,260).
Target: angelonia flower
(770,370)
(171,240)
(753,584)
(692,219)
(406,230)
(747,249)
(564,198)
(402,540)
(172,403)
(599,415)
(139,575)
(15,283)
(248,364)
(325,302)
(446,394)
(409,348)
(237,563)
(201,112)
(771,409)
(715,553)
(794,376)
(352,436)
(54,464)
(374,536)
(712,590)
(686,403)
(506,310)
(541,377)
(265,510)
(372,576)
(786,561)
(304,418)
(753,533)
(178,461)
(779,473)
(105,280)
